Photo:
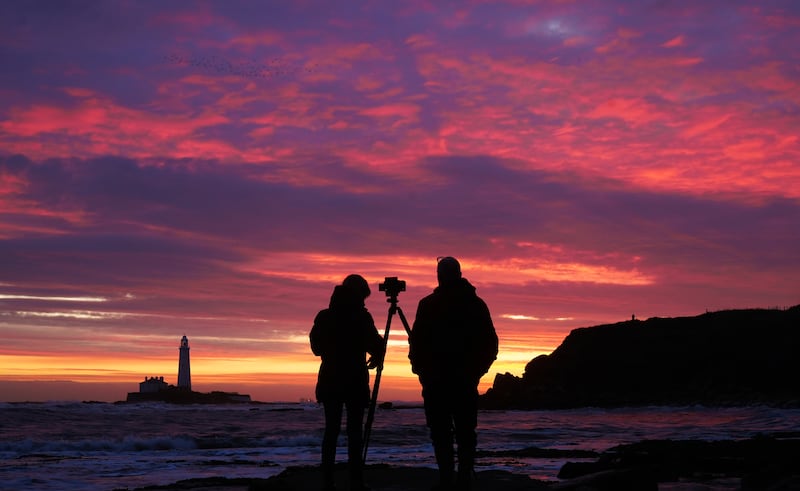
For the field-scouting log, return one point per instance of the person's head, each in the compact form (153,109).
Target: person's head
(358,285)
(448,271)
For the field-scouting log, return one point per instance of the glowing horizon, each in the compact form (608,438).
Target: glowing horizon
(215,170)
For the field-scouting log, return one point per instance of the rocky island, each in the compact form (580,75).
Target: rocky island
(155,389)
(177,395)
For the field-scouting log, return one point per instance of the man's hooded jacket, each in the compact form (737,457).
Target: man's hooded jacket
(453,342)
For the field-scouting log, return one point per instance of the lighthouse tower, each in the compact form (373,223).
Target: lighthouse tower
(184,374)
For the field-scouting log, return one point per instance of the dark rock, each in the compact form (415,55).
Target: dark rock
(539,453)
(611,480)
(759,463)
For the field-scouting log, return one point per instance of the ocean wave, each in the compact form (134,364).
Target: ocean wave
(29,446)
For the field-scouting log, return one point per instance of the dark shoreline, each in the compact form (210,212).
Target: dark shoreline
(758,463)
(379,477)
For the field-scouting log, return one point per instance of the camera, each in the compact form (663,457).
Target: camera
(392,286)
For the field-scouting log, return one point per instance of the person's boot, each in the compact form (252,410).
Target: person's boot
(328,482)
(328,468)
(355,466)
(464,479)
(357,478)
(444,460)
(466,469)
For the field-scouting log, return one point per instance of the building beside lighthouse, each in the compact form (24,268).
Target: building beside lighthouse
(184,371)
(152,384)
(155,389)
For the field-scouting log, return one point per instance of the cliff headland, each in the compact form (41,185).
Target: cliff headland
(725,358)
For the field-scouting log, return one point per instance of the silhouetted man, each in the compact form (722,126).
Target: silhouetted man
(342,335)
(452,345)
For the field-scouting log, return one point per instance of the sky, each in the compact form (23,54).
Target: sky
(213,168)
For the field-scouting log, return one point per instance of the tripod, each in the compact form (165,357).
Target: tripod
(393,309)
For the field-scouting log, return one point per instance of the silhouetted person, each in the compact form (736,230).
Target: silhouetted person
(452,345)
(342,335)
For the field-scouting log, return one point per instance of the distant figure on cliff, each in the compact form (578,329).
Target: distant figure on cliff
(452,345)
(342,335)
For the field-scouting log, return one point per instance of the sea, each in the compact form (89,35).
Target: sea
(105,446)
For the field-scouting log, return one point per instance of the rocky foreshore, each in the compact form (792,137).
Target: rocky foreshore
(379,477)
(767,462)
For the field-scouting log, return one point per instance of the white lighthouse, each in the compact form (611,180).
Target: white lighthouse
(184,374)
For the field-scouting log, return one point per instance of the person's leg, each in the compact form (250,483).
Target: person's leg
(355,423)
(439,421)
(333,425)
(465,417)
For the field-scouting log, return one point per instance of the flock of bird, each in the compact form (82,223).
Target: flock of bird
(276,67)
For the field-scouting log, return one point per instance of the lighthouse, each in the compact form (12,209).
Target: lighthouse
(184,374)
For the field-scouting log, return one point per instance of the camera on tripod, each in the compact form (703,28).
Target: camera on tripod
(392,286)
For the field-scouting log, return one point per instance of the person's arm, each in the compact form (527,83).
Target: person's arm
(418,341)
(375,344)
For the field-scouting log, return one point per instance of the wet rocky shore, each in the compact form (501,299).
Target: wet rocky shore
(766,462)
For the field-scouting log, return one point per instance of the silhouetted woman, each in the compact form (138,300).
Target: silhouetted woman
(342,335)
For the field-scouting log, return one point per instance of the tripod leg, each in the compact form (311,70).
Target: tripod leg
(374,401)
(404,321)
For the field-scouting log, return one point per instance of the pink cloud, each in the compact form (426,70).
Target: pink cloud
(401,113)
(675,42)
(251,41)
(634,111)
(622,41)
